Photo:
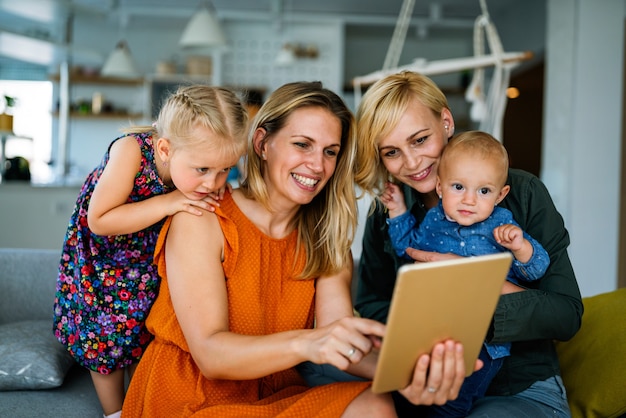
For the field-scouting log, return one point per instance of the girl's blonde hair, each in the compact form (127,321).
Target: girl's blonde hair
(216,108)
(379,112)
(325,226)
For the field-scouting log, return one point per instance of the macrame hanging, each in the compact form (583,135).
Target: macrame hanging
(487,109)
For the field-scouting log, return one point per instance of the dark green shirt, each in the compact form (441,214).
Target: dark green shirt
(550,309)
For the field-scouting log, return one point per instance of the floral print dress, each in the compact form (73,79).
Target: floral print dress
(107,284)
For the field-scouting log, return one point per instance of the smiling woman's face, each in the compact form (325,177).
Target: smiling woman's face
(302,157)
(412,150)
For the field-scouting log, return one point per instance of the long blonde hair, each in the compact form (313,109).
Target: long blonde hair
(325,226)
(379,112)
(216,108)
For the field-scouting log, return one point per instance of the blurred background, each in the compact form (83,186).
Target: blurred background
(73,72)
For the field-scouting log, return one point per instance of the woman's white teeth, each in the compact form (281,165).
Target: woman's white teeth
(309,182)
(420,174)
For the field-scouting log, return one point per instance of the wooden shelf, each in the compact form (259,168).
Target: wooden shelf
(82,79)
(107,115)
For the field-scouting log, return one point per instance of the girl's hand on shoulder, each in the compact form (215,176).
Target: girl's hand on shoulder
(176,202)
(421,256)
(219,194)
(213,199)
(344,342)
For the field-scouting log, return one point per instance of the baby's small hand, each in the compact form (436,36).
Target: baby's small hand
(393,199)
(509,236)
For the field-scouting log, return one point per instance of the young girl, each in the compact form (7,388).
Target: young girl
(107,281)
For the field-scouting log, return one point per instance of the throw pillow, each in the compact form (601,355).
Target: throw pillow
(30,356)
(593,363)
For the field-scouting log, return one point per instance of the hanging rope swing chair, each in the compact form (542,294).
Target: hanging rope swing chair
(486,108)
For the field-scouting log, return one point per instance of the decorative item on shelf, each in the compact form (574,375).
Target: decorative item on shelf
(6,117)
(286,56)
(166,68)
(120,63)
(199,65)
(291,52)
(203,30)
(83,107)
(97,100)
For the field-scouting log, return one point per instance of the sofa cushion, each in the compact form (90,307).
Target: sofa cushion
(593,363)
(30,356)
(27,283)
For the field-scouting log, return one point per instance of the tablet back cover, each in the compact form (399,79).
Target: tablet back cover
(432,302)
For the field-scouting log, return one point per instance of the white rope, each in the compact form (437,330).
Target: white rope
(475,93)
(357,94)
(392,59)
(487,109)
(493,115)
(444,66)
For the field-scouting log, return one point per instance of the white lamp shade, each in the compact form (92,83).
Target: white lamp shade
(286,56)
(203,30)
(120,63)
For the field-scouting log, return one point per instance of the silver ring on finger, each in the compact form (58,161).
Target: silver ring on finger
(351,352)
(432,389)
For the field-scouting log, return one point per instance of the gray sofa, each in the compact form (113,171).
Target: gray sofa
(27,283)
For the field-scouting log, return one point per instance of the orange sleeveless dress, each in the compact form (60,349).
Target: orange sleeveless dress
(263,299)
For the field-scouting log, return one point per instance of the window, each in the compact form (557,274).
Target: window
(32,125)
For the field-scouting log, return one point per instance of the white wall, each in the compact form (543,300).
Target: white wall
(583,130)
(34,217)
(256,44)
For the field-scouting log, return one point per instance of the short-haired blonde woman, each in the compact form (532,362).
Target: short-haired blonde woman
(403,124)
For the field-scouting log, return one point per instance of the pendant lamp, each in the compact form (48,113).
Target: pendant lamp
(120,63)
(286,56)
(203,30)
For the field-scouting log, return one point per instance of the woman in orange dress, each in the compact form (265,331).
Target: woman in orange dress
(242,288)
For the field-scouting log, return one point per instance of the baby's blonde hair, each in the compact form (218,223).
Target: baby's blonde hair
(216,108)
(479,144)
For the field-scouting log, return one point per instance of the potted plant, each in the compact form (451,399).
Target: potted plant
(6,118)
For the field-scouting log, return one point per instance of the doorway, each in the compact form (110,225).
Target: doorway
(522,128)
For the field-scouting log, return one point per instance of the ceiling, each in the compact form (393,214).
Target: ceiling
(26,22)
(47,18)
